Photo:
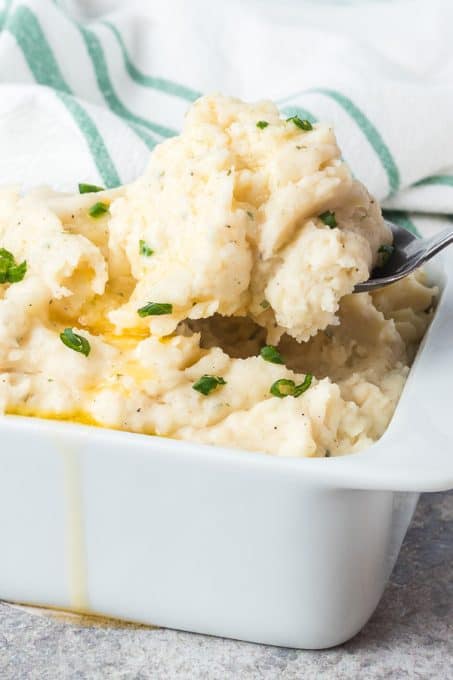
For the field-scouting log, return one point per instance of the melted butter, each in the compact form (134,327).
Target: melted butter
(128,339)
(78,416)
(166,339)
(74,533)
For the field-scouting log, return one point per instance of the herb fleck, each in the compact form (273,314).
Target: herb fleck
(328,217)
(208,383)
(98,209)
(271,353)
(10,271)
(303,124)
(155,309)
(75,342)
(144,249)
(288,388)
(386,251)
(89,188)
(261,124)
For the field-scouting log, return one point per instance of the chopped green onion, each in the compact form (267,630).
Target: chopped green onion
(10,272)
(265,304)
(386,251)
(75,342)
(283,388)
(288,388)
(98,209)
(328,217)
(303,124)
(16,273)
(6,256)
(271,353)
(144,249)
(261,124)
(89,188)
(303,387)
(208,383)
(155,309)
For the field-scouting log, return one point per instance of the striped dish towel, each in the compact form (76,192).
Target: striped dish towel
(88,88)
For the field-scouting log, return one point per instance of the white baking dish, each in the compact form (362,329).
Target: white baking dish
(292,552)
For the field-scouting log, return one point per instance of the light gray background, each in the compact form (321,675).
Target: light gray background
(410,635)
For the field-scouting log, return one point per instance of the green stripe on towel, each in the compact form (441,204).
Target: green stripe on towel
(371,133)
(96,53)
(440,180)
(161,84)
(366,126)
(402,219)
(41,61)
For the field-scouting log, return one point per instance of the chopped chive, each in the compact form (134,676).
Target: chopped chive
(328,217)
(288,388)
(10,272)
(265,304)
(75,342)
(6,256)
(144,249)
(303,387)
(303,124)
(89,188)
(261,124)
(283,388)
(208,383)
(98,209)
(386,251)
(155,309)
(271,353)
(16,272)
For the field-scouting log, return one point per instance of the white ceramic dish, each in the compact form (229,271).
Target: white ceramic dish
(274,550)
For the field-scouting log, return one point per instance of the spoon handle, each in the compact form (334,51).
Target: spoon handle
(433,245)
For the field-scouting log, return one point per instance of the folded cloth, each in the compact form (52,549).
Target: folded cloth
(89,87)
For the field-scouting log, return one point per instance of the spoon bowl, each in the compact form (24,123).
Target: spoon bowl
(409,253)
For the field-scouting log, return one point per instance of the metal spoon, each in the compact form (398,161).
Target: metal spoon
(409,253)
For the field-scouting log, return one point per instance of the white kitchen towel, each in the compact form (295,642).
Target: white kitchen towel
(89,87)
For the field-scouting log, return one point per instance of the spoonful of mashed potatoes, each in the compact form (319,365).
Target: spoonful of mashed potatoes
(211,299)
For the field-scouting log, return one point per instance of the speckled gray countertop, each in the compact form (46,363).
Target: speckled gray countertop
(409,636)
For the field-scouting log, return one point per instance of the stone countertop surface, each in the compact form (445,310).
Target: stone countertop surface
(409,636)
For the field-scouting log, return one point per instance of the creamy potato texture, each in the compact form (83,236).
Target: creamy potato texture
(246,231)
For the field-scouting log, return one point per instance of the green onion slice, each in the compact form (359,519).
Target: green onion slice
(89,188)
(98,209)
(271,353)
(75,342)
(328,217)
(288,388)
(386,251)
(261,124)
(208,383)
(144,249)
(16,273)
(303,124)
(10,272)
(155,309)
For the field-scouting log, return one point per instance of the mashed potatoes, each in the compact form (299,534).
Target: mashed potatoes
(211,300)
